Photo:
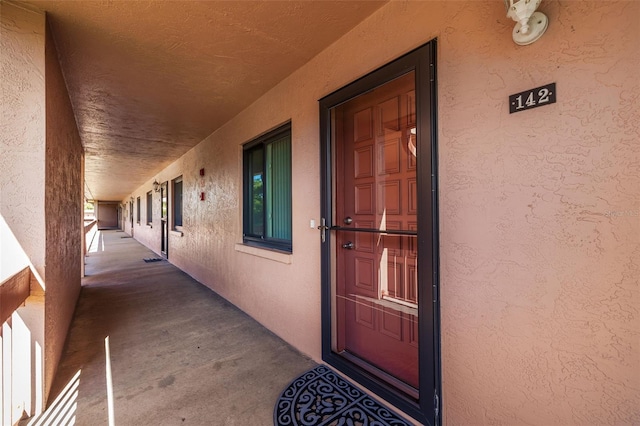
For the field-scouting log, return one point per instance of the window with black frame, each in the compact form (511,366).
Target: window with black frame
(149,208)
(267,190)
(177,203)
(138,210)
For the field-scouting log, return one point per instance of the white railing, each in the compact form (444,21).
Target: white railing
(17,375)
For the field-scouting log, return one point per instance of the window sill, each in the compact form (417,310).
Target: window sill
(176,232)
(150,225)
(265,253)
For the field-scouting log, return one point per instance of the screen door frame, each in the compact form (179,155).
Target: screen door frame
(426,406)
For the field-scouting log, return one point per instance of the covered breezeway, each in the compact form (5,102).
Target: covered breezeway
(179,353)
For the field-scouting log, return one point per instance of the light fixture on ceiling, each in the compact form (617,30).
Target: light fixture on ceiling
(530,24)
(156,186)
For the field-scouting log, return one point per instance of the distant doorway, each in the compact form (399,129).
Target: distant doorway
(107,214)
(131,215)
(164,219)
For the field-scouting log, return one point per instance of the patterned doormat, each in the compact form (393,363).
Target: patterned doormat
(321,397)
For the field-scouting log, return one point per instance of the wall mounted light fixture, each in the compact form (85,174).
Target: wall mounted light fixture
(156,186)
(530,24)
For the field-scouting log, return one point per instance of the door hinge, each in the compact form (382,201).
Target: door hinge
(436,406)
(435,293)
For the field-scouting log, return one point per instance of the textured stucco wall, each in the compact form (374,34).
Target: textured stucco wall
(22,175)
(22,151)
(540,226)
(540,230)
(149,235)
(63,209)
(41,152)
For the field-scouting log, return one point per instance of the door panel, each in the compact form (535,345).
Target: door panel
(376,273)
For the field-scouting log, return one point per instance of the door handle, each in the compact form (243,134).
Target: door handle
(348,245)
(323,229)
(347,220)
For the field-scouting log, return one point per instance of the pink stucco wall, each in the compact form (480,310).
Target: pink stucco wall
(22,198)
(63,211)
(539,211)
(41,181)
(22,139)
(540,230)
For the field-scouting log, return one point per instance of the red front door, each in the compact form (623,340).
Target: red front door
(376,291)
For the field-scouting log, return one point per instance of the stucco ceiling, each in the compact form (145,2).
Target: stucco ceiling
(148,80)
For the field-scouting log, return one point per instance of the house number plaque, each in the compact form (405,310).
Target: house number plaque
(540,96)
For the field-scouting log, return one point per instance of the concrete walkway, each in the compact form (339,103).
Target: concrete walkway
(179,353)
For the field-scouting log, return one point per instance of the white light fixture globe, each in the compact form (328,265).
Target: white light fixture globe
(530,24)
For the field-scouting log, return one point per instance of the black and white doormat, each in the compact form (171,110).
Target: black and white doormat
(321,397)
